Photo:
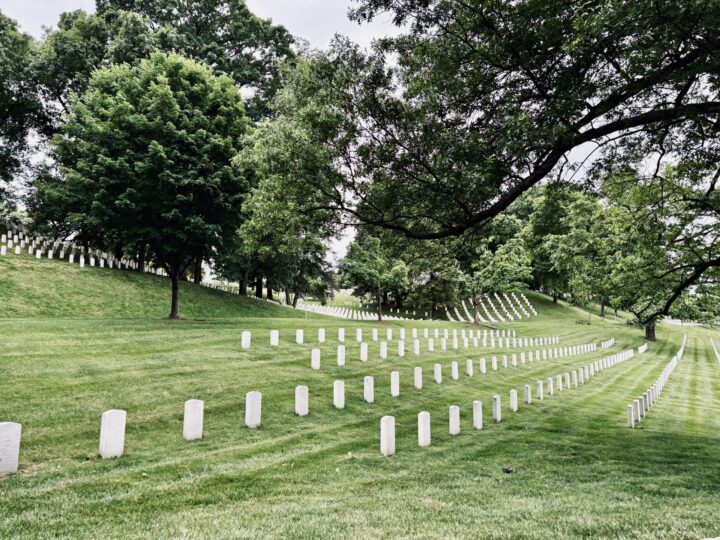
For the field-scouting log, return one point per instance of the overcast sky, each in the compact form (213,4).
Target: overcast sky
(316,21)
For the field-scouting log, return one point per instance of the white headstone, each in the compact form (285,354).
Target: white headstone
(3,250)
(245,340)
(477,414)
(358,335)
(469,367)
(341,355)
(454,371)
(315,359)
(193,419)
(383,349)
(369,389)
(424,428)
(299,335)
(550,385)
(454,415)
(438,373)
(341,335)
(387,436)
(302,400)
(513,400)
(497,412)
(416,346)
(395,383)
(630,416)
(401,348)
(274,338)
(339,394)
(363,352)
(418,378)
(10,433)
(374,334)
(430,344)
(253,409)
(321,335)
(112,433)
(483,366)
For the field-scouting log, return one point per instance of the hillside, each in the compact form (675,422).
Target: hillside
(51,288)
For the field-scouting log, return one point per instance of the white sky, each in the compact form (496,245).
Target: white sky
(316,21)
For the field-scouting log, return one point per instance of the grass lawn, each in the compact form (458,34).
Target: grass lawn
(577,470)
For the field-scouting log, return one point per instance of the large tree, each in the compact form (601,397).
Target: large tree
(441,128)
(225,34)
(149,150)
(20,108)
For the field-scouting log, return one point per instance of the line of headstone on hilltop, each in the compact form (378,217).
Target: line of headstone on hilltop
(17,239)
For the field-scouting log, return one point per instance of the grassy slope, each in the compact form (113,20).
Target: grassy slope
(579,472)
(43,288)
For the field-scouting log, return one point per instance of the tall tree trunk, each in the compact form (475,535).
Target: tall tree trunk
(175,302)
(379,307)
(268,286)
(258,287)
(288,301)
(197,274)
(398,301)
(555,297)
(476,313)
(244,283)
(141,258)
(602,308)
(295,300)
(433,310)
(650,331)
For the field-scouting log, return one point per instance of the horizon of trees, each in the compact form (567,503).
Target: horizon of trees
(449,147)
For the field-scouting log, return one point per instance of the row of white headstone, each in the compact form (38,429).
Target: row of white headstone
(348,313)
(483,302)
(54,248)
(555,353)
(607,343)
(112,430)
(639,408)
(113,422)
(495,337)
(568,381)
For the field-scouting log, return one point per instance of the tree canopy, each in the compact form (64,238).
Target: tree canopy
(147,156)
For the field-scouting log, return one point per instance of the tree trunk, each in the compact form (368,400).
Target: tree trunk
(398,302)
(244,283)
(258,287)
(385,298)
(379,307)
(288,301)
(269,290)
(175,302)
(141,258)
(650,331)
(433,310)
(555,297)
(197,274)
(602,308)
(476,314)
(295,300)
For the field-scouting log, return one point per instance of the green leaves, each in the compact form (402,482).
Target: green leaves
(140,170)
